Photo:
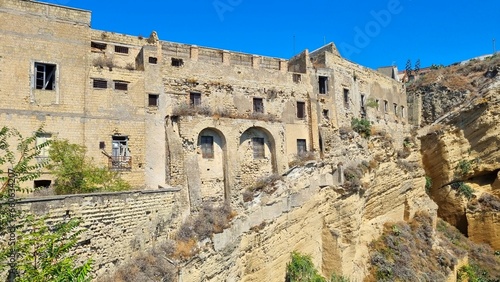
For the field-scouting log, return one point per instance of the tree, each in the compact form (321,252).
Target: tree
(76,174)
(417,67)
(41,250)
(408,68)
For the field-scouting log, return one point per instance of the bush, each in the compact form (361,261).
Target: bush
(361,126)
(75,174)
(463,189)
(463,167)
(352,177)
(301,269)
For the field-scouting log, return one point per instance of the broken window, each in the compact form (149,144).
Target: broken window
(121,49)
(98,47)
(258,148)
(42,139)
(177,62)
(121,85)
(323,84)
(99,83)
(194,99)
(207,147)
(296,77)
(153,100)
(301,110)
(153,60)
(120,154)
(326,113)
(301,146)
(386,106)
(346,98)
(45,76)
(258,105)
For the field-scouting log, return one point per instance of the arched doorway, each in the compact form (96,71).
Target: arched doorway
(212,161)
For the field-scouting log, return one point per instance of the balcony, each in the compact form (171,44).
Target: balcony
(120,162)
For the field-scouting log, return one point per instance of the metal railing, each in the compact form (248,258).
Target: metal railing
(120,162)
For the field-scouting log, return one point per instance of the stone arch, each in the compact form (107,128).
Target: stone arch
(212,161)
(252,164)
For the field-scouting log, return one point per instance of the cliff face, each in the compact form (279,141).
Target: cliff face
(461,156)
(313,213)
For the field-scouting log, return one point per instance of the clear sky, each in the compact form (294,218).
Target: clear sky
(372,33)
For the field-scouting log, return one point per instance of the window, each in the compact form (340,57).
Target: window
(395,108)
(346,98)
(121,85)
(386,106)
(323,85)
(258,148)
(153,60)
(121,49)
(42,139)
(45,76)
(177,62)
(100,83)
(120,155)
(301,146)
(301,110)
(97,47)
(153,100)
(258,105)
(207,147)
(296,77)
(378,103)
(194,99)
(326,113)
(402,111)
(362,101)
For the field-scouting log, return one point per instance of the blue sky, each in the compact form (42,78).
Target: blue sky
(372,33)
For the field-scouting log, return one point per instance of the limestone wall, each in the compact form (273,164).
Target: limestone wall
(117,224)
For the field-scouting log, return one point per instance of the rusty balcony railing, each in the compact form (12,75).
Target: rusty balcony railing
(120,162)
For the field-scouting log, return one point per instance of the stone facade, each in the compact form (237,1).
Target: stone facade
(168,114)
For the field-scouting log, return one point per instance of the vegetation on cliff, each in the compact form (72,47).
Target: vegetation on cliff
(409,250)
(301,269)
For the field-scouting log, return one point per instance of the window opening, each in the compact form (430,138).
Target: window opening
(296,77)
(323,85)
(346,98)
(258,105)
(258,148)
(301,146)
(194,99)
(45,76)
(121,85)
(177,62)
(326,113)
(120,154)
(395,108)
(121,49)
(402,111)
(41,140)
(99,83)
(98,46)
(153,100)
(386,106)
(301,110)
(207,147)
(153,60)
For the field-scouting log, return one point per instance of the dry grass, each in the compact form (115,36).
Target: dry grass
(302,158)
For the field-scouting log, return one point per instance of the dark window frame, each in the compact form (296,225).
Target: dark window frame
(301,146)
(301,110)
(194,99)
(98,83)
(177,62)
(346,98)
(207,146)
(297,77)
(258,148)
(99,46)
(258,105)
(120,85)
(121,49)
(153,100)
(45,76)
(153,60)
(323,84)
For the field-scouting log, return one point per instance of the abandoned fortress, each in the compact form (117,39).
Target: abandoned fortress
(176,115)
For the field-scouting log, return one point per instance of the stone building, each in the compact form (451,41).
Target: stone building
(168,114)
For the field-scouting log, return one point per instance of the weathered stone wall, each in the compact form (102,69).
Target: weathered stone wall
(117,224)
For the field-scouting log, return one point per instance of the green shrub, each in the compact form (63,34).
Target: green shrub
(463,167)
(463,189)
(428,184)
(361,126)
(76,174)
(301,269)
